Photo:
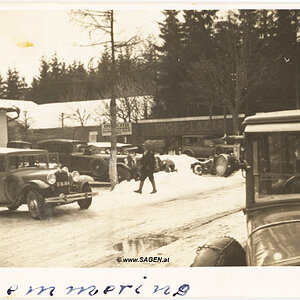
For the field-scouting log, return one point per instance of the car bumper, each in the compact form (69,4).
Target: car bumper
(64,199)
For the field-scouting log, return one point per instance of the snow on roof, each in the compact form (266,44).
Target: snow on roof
(40,116)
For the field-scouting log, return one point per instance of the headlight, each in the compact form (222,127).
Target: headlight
(75,175)
(51,178)
(221,165)
(126,161)
(65,169)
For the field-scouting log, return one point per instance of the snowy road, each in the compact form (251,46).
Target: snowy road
(187,211)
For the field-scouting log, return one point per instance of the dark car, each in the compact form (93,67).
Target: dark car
(78,155)
(272,165)
(27,178)
(228,144)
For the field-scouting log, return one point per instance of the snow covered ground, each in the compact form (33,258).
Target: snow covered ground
(183,183)
(188,208)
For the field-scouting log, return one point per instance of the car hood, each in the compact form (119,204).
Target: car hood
(274,236)
(33,173)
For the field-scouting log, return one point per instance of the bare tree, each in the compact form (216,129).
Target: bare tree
(81,116)
(27,120)
(62,117)
(103,21)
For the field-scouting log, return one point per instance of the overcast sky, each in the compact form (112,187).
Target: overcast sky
(28,34)
(47,28)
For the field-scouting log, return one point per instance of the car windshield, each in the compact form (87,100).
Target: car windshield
(27,161)
(276,166)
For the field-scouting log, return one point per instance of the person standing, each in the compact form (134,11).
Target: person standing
(147,168)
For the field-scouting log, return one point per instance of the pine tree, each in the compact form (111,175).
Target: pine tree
(170,98)
(14,86)
(198,44)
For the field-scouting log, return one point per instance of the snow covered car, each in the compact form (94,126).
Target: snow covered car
(272,165)
(78,155)
(26,178)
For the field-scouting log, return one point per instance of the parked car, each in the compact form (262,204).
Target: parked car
(200,146)
(228,144)
(19,144)
(78,155)
(26,178)
(272,166)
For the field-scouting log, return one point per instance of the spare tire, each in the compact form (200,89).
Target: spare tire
(168,165)
(197,168)
(222,251)
(98,167)
(12,188)
(226,165)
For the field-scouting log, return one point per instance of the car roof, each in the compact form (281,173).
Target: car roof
(19,142)
(21,151)
(285,116)
(107,144)
(62,141)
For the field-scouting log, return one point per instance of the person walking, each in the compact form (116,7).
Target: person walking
(147,168)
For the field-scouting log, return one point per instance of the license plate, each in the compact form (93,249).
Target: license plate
(62,183)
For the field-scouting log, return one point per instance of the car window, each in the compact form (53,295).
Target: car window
(40,161)
(276,166)
(27,161)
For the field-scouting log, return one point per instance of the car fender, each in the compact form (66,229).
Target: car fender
(38,183)
(84,179)
(123,165)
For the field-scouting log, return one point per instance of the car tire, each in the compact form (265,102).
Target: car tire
(36,204)
(98,167)
(123,174)
(197,169)
(85,203)
(222,251)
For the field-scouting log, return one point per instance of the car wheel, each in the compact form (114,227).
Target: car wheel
(36,204)
(98,167)
(85,203)
(223,251)
(197,169)
(123,174)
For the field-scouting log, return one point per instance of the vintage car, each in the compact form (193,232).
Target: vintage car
(228,144)
(200,146)
(26,178)
(272,166)
(78,155)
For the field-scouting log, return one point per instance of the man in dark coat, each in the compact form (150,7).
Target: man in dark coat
(147,168)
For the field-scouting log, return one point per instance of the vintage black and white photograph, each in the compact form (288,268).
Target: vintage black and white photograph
(149,137)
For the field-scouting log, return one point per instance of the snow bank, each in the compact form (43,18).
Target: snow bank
(182,183)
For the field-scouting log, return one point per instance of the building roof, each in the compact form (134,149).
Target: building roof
(285,116)
(21,151)
(42,116)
